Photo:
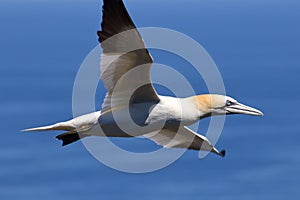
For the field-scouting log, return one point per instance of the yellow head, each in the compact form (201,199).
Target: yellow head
(214,104)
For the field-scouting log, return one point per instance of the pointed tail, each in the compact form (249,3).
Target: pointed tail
(67,138)
(66,126)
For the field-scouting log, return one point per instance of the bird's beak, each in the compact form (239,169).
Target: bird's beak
(239,108)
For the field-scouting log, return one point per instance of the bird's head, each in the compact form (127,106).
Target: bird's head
(214,104)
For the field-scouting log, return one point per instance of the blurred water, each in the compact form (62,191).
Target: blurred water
(256,47)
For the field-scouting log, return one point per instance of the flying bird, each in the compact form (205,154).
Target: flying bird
(162,119)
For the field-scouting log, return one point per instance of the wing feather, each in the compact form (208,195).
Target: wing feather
(123,51)
(182,137)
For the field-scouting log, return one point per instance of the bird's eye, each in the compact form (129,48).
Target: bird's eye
(228,103)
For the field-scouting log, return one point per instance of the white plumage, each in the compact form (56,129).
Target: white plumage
(131,106)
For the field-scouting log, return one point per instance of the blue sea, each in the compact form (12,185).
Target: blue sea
(256,46)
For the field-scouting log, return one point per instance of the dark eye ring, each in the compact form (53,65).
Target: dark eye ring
(228,103)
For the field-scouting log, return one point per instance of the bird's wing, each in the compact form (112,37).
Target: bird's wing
(182,137)
(122,53)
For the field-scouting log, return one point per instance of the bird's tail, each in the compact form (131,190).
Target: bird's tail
(66,126)
(67,138)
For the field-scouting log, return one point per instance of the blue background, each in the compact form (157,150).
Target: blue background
(256,47)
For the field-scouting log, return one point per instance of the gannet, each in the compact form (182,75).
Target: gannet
(164,119)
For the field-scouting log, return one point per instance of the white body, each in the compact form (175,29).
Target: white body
(169,110)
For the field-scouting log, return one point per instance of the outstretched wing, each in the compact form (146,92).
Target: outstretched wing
(125,63)
(183,137)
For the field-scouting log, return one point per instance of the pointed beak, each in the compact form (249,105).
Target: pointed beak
(239,108)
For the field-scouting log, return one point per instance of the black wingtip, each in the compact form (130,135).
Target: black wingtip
(223,153)
(68,138)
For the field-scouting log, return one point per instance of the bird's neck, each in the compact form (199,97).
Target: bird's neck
(203,104)
(195,107)
(188,110)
